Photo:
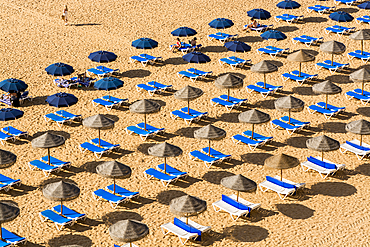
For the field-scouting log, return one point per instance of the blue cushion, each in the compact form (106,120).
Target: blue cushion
(187,228)
(280,183)
(358,146)
(322,163)
(234,203)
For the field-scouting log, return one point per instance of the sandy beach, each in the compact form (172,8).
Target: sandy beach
(327,212)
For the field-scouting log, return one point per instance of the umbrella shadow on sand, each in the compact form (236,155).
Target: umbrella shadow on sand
(237,233)
(175,61)
(315,19)
(214,48)
(113,217)
(165,197)
(250,39)
(297,141)
(333,189)
(215,177)
(37,100)
(303,91)
(348,10)
(255,158)
(333,127)
(23,189)
(69,240)
(286,29)
(364,111)
(134,73)
(295,211)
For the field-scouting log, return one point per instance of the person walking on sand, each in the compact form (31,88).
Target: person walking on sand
(65,15)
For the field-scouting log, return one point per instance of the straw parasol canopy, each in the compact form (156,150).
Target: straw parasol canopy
(164,150)
(239,183)
(209,133)
(322,144)
(128,231)
(7,158)
(326,87)
(188,93)
(99,122)
(8,212)
(253,117)
(361,35)
(289,103)
(264,67)
(48,140)
(300,56)
(144,106)
(360,127)
(61,191)
(187,206)
(361,75)
(281,161)
(228,81)
(114,169)
(333,47)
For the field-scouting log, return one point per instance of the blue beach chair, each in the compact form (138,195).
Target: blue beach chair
(68,115)
(98,151)
(260,28)
(233,99)
(151,58)
(222,37)
(307,40)
(122,191)
(234,208)
(186,117)
(187,74)
(252,144)
(139,59)
(272,51)
(139,131)
(57,219)
(116,101)
(216,154)
(9,181)
(107,104)
(323,167)
(69,213)
(320,9)
(5,137)
(12,238)
(194,112)
(330,107)
(326,112)
(55,118)
(105,144)
(228,105)
(151,90)
(295,122)
(113,200)
(283,189)
(336,67)
(288,18)
(159,85)
(288,127)
(14,132)
(106,70)
(307,76)
(339,30)
(257,137)
(347,2)
(172,171)
(150,128)
(364,98)
(199,72)
(46,169)
(96,72)
(233,61)
(164,178)
(208,160)
(364,19)
(55,161)
(364,56)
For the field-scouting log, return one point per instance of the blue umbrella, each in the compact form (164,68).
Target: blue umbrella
(273,34)
(365,5)
(237,46)
(62,100)
(221,23)
(10,114)
(184,32)
(260,14)
(108,83)
(59,69)
(13,85)
(144,43)
(196,57)
(341,16)
(288,4)
(102,56)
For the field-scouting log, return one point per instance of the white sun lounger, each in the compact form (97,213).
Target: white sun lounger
(196,225)
(181,233)
(234,208)
(360,152)
(312,164)
(283,188)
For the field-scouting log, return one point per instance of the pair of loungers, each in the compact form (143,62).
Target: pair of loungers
(61,117)
(331,66)
(300,79)
(288,18)
(153,87)
(363,96)
(228,102)
(98,147)
(108,102)
(11,133)
(355,146)
(290,127)
(145,59)
(120,195)
(363,19)
(260,27)
(233,61)
(164,174)
(188,115)
(326,109)
(7,183)
(209,158)
(339,30)
(11,239)
(246,138)
(307,40)
(346,2)
(143,131)
(323,167)
(68,216)
(194,74)
(283,186)
(272,51)
(363,55)
(320,9)
(24,96)
(101,71)
(263,89)
(74,81)
(186,48)
(222,37)
(43,164)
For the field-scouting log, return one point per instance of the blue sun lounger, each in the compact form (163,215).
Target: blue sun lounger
(151,58)
(269,86)
(164,178)
(365,56)
(347,2)
(288,18)
(339,30)
(208,160)
(194,112)
(106,70)
(326,112)
(336,67)
(138,131)
(331,107)
(307,40)
(257,137)
(323,167)
(142,60)
(320,9)
(252,144)
(288,127)
(234,208)
(362,97)
(186,117)
(55,118)
(233,99)
(260,28)
(272,51)
(58,220)
(98,151)
(172,171)
(96,72)
(4,187)
(116,101)
(259,88)
(9,181)
(5,137)
(14,132)
(299,79)
(4,244)
(222,37)
(12,238)
(187,74)
(150,128)
(113,200)
(233,62)
(199,72)
(151,90)
(107,104)
(105,144)
(354,147)
(283,189)
(55,161)
(365,19)
(122,191)
(307,76)
(228,105)
(159,85)
(295,122)
(69,213)
(216,154)
(68,115)
(46,169)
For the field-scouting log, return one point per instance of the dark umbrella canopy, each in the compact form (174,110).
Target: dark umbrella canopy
(62,100)
(341,16)
(288,4)
(144,43)
(61,191)
(361,75)
(7,158)
(210,132)
(102,56)
(264,67)
(97,122)
(361,127)
(281,161)
(300,56)
(188,93)
(254,117)
(164,150)
(59,69)
(184,32)
(108,83)
(113,169)
(7,114)
(365,5)
(237,46)
(288,103)
(48,140)
(326,87)
(8,211)
(13,85)
(322,143)
(333,47)
(239,183)
(187,205)
(144,106)
(128,231)
(196,57)
(260,14)
(221,23)
(362,34)
(228,81)
(273,34)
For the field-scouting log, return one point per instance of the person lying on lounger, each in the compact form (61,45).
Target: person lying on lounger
(254,24)
(177,46)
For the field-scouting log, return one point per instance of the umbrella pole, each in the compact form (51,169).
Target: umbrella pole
(264,80)
(188,108)
(360,140)
(144,121)
(209,147)
(363,85)
(300,68)
(114,186)
(237,196)
(99,136)
(332,58)
(165,163)
(326,102)
(252,131)
(187,219)
(322,155)
(289,117)
(1,233)
(228,94)
(281,174)
(49,156)
(362,47)
(61,207)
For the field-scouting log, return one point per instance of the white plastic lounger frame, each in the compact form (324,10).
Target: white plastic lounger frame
(71,223)
(181,233)
(196,225)
(233,211)
(164,183)
(324,172)
(282,192)
(360,154)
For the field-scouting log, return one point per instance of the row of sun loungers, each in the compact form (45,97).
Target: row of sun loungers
(222,37)
(61,117)
(327,110)
(288,18)
(233,61)
(339,30)
(153,87)
(98,147)
(363,19)
(331,66)
(108,102)
(43,164)
(101,71)
(11,133)
(294,75)
(194,74)
(10,239)
(307,40)
(358,94)
(263,89)
(209,159)
(120,195)
(145,59)
(272,51)
(320,9)
(188,116)
(69,216)
(229,104)
(143,131)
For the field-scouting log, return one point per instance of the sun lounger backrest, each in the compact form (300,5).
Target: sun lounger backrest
(358,146)
(321,163)
(234,203)
(280,183)
(186,227)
